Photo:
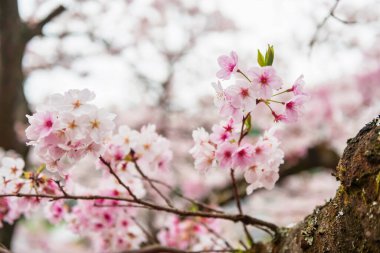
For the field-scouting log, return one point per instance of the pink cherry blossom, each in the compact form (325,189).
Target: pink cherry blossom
(279,117)
(224,154)
(68,128)
(244,93)
(219,134)
(229,105)
(243,156)
(41,125)
(298,86)
(190,234)
(265,80)
(228,65)
(293,107)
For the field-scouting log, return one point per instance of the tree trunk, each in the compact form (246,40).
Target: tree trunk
(350,222)
(13,105)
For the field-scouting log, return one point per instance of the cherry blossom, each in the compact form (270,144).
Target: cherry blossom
(73,138)
(190,234)
(293,107)
(68,128)
(298,86)
(228,65)
(225,153)
(265,80)
(243,156)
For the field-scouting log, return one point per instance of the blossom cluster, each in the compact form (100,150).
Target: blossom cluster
(70,136)
(13,180)
(107,223)
(67,128)
(150,150)
(226,147)
(194,234)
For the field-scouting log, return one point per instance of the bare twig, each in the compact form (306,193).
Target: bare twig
(145,231)
(217,235)
(117,177)
(146,178)
(36,29)
(193,201)
(61,187)
(238,204)
(330,14)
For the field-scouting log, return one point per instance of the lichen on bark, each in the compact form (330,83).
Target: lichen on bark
(350,222)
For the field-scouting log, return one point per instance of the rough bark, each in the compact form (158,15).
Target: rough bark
(13,105)
(14,36)
(350,222)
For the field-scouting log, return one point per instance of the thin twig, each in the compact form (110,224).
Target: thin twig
(238,204)
(217,235)
(145,231)
(331,14)
(193,201)
(117,177)
(146,178)
(61,187)
(246,77)
(36,29)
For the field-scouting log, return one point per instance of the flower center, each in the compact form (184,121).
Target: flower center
(95,123)
(263,80)
(49,123)
(77,104)
(244,93)
(227,154)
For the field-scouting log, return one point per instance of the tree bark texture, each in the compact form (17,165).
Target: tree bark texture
(350,222)
(13,105)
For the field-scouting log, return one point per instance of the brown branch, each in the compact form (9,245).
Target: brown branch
(118,178)
(146,178)
(159,248)
(192,201)
(331,14)
(145,231)
(246,219)
(36,29)
(61,188)
(238,204)
(216,234)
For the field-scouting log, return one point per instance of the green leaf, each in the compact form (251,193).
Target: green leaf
(41,168)
(248,123)
(269,56)
(260,59)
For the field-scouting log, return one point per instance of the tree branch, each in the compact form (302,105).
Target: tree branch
(118,178)
(246,219)
(36,29)
(331,14)
(159,248)
(146,178)
(238,204)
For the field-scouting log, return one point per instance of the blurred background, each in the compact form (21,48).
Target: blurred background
(152,61)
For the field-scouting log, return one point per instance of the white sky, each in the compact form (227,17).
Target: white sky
(288,24)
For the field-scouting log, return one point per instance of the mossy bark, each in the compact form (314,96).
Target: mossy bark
(350,222)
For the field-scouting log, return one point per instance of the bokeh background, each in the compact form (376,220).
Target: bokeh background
(152,61)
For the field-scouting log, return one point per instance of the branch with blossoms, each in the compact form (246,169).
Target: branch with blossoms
(69,133)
